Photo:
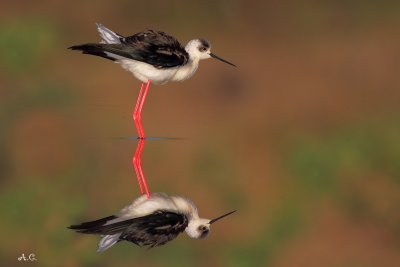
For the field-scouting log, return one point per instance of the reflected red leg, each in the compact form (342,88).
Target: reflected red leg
(137,157)
(137,164)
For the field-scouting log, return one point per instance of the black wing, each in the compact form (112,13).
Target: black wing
(93,226)
(153,47)
(157,48)
(155,229)
(151,230)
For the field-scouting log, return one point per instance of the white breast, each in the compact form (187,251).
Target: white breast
(186,71)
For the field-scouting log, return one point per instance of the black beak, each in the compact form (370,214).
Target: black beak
(220,217)
(221,59)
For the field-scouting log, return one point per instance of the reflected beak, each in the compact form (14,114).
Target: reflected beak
(221,59)
(220,217)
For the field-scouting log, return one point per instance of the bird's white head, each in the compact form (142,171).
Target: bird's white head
(198,49)
(199,228)
(201,49)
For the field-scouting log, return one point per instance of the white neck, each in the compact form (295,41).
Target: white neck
(186,206)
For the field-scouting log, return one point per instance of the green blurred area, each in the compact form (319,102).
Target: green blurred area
(303,138)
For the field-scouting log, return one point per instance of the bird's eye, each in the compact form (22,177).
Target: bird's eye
(203,49)
(202,228)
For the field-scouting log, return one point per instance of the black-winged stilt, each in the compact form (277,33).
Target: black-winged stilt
(152,57)
(150,222)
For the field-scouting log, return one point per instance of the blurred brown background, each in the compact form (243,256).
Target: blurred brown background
(303,138)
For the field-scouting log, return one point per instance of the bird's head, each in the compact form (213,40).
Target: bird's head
(201,49)
(199,228)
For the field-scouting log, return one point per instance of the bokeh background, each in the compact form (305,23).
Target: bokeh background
(303,138)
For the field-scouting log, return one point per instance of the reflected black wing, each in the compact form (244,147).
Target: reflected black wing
(91,227)
(155,229)
(153,47)
(151,230)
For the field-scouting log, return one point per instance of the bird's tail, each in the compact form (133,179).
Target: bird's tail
(108,241)
(96,50)
(108,36)
(93,227)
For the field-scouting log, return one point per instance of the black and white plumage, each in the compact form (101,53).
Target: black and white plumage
(151,55)
(150,222)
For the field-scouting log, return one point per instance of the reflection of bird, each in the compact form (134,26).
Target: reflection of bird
(151,56)
(150,222)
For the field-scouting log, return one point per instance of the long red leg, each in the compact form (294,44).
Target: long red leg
(137,163)
(137,157)
(144,98)
(137,114)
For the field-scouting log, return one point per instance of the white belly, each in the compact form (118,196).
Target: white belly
(145,72)
(143,206)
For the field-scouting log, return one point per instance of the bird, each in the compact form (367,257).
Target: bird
(152,57)
(150,222)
